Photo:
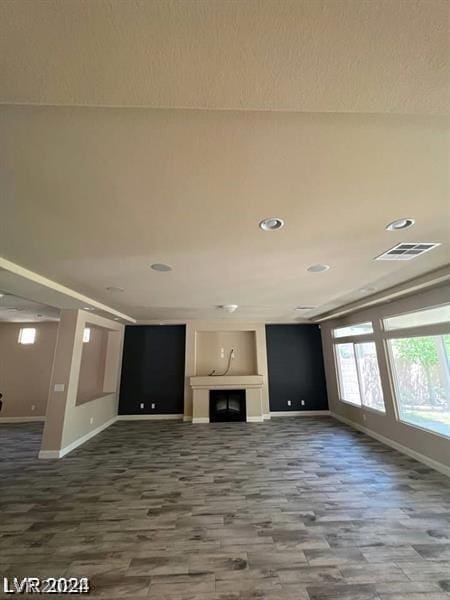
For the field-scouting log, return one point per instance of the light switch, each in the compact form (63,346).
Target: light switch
(59,387)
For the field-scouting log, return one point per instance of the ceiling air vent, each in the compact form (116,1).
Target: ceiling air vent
(407,250)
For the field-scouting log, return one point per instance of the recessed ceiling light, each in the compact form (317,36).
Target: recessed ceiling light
(271,224)
(115,288)
(1,295)
(318,268)
(161,267)
(400,224)
(87,308)
(116,319)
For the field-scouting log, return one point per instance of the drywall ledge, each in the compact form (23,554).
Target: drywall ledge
(21,419)
(156,417)
(434,464)
(300,413)
(60,453)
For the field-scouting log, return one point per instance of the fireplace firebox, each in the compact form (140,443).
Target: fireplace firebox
(227,405)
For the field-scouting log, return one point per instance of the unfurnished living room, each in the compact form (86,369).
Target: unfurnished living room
(224,299)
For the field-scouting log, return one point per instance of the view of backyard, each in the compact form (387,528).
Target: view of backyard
(422,381)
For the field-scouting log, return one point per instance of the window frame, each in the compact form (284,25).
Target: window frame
(394,379)
(413,327)
(356,340)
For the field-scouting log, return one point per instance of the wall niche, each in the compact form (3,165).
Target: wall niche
(212,349)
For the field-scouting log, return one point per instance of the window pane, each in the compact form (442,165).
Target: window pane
(369,376)
(27,335)
(429,316)
(360,329)
(421,372)
(348,374)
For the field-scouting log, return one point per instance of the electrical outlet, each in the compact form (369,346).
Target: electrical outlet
(302,402)
(91,420)
(141,406)
(233,354)
(153,406)
(59,387)
(289,403)
(222,353)
(364,417)
(33,406)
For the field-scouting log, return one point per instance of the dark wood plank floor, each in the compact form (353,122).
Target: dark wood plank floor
(287,510)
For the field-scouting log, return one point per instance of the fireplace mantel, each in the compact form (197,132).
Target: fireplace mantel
(252,384)
(213,382)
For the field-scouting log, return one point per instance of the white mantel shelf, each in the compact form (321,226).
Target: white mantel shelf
(212,382)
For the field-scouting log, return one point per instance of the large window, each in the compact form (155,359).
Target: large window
(358,374)
(421,370)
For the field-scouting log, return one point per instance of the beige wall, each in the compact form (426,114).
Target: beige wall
(92,368)
(234,329)
(25,370)
(67,423)
(210,345)
(431,445)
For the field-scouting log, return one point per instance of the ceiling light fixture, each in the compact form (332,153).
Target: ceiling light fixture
(229,308)
(271,224)
(161,267)
(87,308)
(399,224)
(318,268)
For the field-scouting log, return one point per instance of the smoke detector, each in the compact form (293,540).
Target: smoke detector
(229,308)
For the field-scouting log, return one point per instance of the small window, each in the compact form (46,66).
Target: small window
(360,329)
(429,316)
(27,335)
(86,335)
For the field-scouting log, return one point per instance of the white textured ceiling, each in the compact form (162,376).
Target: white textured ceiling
(334,121)
(372,56)
(92,197)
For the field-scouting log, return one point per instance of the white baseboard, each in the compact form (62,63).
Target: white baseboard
(200,419)
(187,419)
(76,443)
(300,413)
(21,419)
(162,417)
(266,417)
(430,462)
(257,419)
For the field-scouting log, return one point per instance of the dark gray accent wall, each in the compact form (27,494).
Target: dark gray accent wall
(153,370)
(295,368)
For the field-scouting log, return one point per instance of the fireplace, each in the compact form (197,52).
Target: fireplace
(227,405)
